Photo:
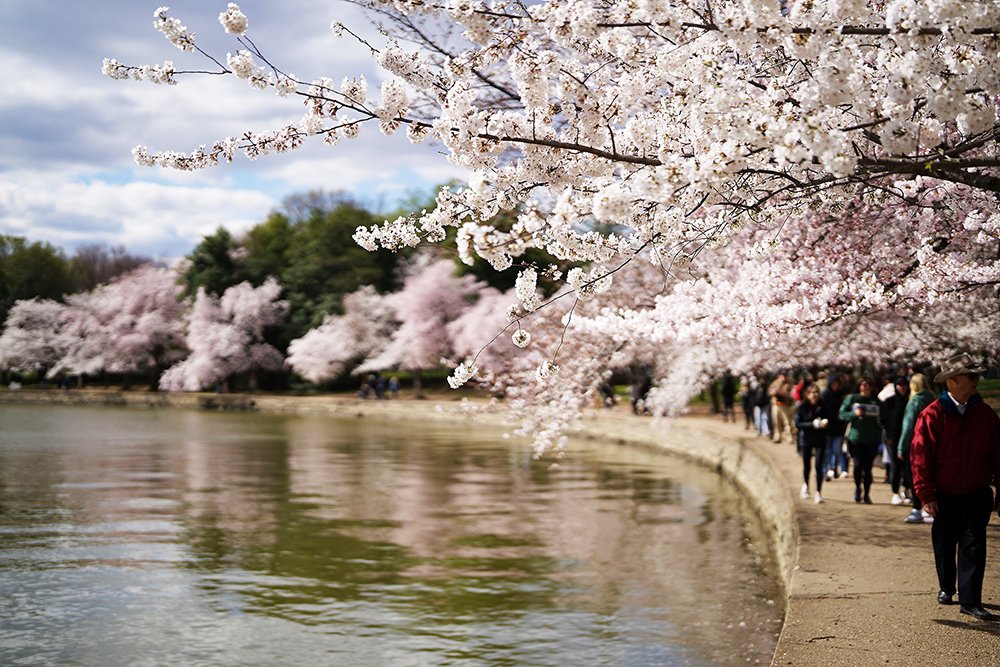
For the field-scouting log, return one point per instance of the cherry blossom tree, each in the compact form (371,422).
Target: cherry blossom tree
(754,302)
(798,174)
(133,324)
(343,341)
(432,295)
(484,335)
(86,348)
(226,337)
(32,339)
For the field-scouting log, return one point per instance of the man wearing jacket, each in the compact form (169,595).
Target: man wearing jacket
(955,456)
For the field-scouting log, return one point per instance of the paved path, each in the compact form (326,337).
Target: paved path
(864,590)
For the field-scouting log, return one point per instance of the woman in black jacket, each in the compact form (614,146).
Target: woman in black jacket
(812,439)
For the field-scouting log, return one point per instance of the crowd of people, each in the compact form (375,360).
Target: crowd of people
(941,453)
(375,386)
(842,425)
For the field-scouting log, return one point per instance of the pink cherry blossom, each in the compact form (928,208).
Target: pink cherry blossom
(32,338)
(226,337)
(432,295)
(342,341)
(132,324)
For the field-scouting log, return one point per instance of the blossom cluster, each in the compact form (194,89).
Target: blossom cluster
(462,374)
(526,288)
(160,74)
(175,32)
(233,20)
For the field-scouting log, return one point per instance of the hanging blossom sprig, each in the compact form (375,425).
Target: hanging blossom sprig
(526,290)
(521,338)
(324,100)
(583,287)
(462,374)
(159,74)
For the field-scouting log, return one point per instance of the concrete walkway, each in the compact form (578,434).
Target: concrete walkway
(863,589)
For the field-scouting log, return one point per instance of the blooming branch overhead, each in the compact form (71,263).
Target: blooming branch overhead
(616,130)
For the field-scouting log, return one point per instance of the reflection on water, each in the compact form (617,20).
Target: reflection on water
(169,537)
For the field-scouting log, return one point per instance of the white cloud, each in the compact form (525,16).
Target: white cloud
(163,221)
(66,131)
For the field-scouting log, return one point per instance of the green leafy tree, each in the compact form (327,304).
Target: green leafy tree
(30,270)
(215,264)
(324,264)
(266,248)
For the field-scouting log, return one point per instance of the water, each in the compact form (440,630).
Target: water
(132,537)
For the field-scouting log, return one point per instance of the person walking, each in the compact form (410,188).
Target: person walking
(955,457)
(861,412)
(761,411)
(920,398)
(728,391)
(748,392)
(893,412)
(780,392)
(831,398)
(812,439)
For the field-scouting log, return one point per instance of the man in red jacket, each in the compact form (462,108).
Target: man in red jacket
(955,456)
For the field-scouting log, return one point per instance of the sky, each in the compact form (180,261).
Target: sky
(66,131)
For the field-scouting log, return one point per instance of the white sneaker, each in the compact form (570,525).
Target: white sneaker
(817,498)
(843,474)
(926,516)
(829,475)
(896,499)
(805,491)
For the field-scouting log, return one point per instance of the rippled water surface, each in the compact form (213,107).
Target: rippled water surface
(131,537)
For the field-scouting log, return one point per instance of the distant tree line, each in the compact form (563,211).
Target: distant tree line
(35,269)
(240,302)
(307,246)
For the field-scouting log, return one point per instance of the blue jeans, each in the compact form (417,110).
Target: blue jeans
(761,420)
(836,456)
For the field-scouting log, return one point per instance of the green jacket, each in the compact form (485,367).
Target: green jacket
(914,407)
(862,429)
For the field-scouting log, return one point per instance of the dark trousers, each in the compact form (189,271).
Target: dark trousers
(908,479)
(863,457)
(807,452)
(893,469)
(960,524)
